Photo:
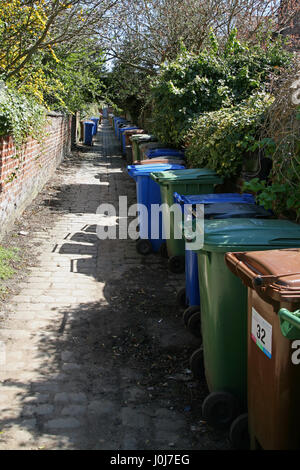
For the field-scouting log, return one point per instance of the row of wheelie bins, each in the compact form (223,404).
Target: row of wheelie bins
(89,129)
(241,297)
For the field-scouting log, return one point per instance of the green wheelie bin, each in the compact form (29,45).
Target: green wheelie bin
(138,139)
(185,182)
(223,355)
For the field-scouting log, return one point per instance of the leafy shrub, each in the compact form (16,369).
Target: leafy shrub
(20,116)
(280,137)
(214,79)
(220,139)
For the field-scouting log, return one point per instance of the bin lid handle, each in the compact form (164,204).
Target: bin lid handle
(260,281)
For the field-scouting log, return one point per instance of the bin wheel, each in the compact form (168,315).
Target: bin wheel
(239,433)
(181,297)
(163,250)
(197,364)
(194,324)
(143,247)
(219,409)
(177,264)
(189,312)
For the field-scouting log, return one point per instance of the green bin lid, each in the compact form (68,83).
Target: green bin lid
(250,234)
(181,176)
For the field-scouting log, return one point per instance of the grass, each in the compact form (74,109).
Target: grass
(8,256)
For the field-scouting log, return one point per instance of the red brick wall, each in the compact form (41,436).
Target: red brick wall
(23,177)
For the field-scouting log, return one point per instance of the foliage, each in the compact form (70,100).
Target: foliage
(280,138)
(214,79)
(20,116)
(127,88)
(221,139)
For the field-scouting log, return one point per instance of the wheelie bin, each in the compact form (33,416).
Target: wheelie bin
(88,132)
(148,193)
(223,301)
(96,122)
(228,205)
(119,124)
(118,121)
(122,137)
(129,134)
(273,281)
(136,140)
(125,125)
(145,146)
(189,181)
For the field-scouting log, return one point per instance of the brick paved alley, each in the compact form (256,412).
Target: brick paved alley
(96,353)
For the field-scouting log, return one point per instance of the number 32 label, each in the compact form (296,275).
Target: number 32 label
(261,333)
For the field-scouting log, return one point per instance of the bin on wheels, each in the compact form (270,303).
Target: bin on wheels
(151,235)
(146,146)
(273,281)
(223,301)
(136,140)
(96,122)
(123,137)
(229,205)
(88,132)
(191,181)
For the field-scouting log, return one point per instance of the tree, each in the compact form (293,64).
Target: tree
(28,27)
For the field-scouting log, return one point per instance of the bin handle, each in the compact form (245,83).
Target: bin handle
(240,266)
(154,176)
(257,280)
(286,315)
(178,198)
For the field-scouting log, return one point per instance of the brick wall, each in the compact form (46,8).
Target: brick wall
(21,179)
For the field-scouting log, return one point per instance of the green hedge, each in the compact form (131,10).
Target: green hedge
(220,139)
(216,78)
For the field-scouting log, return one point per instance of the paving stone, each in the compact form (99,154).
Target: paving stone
(62,423)
(61,388)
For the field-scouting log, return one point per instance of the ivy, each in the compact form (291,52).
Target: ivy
(20,116)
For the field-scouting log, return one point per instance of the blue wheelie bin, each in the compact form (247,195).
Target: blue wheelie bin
(88,132)
(123,125)
(96,122)
(119,122)
(216,206)
(148,193)
(122,137)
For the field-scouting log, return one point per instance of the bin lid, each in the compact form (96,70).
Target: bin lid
(214,198)
(181,176)
(144,170)
(163,151)
(129,128)
(250,234)
(164,160)
(273,273)
(143,137)
(227,210)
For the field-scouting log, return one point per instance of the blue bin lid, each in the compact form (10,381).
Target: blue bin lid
(163,151)
(145,170)
(214,198)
